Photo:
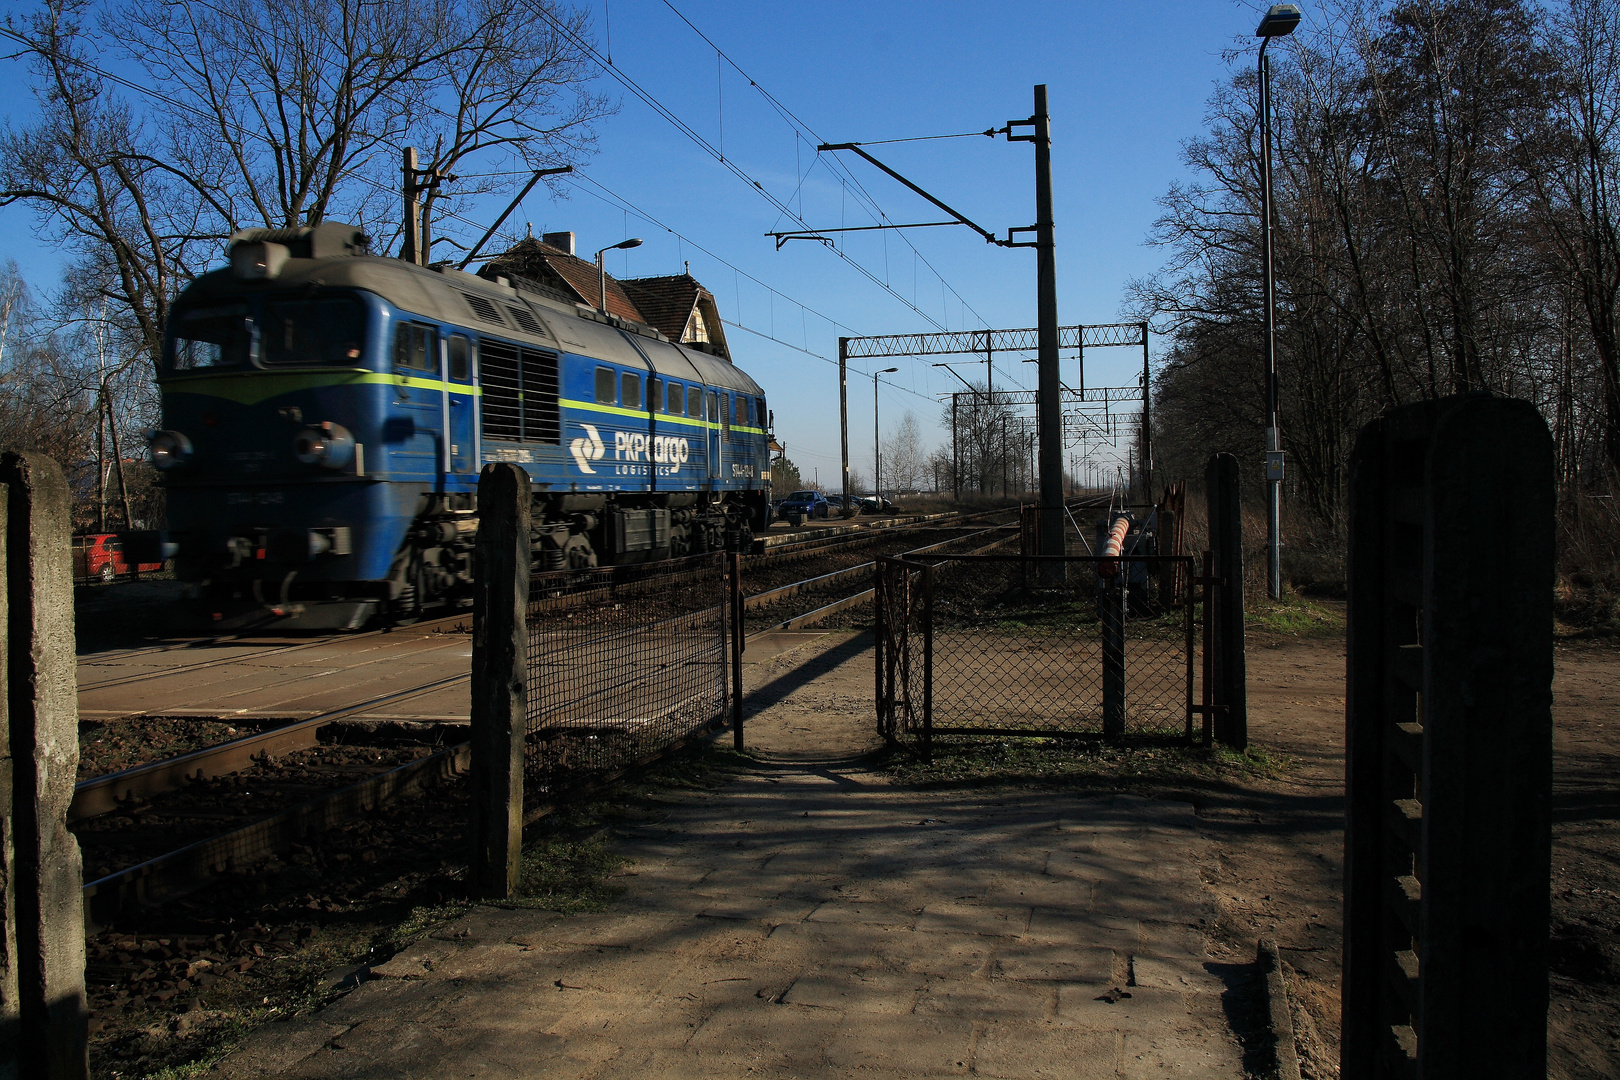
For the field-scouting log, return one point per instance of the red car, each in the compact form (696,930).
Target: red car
(101,555)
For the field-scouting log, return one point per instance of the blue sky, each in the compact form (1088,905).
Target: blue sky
(1127,83)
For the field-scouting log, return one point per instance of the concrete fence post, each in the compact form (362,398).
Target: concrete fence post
(500,677)
(1448,785)
(1223,491)
(42,1002)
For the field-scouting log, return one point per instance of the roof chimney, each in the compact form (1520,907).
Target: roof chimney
(563,240)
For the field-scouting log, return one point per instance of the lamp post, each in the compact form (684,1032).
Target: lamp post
(601,270)
(877,444)
(1279,21)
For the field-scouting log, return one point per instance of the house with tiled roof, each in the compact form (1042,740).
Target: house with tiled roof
(677,305)
(683,309)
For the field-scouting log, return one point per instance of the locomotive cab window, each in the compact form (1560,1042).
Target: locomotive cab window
(694,403)
(211,337)
(714,412)
(460,358)
(655,394)
(606,387)
(630,390)
(415,347)
(327,331)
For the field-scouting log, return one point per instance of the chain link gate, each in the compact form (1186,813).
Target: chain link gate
(1033,646)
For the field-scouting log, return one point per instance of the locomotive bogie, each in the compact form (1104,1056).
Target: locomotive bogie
(326,418)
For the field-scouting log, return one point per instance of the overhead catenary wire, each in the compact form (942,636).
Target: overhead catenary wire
(613,198)
(800,127)
(713,151)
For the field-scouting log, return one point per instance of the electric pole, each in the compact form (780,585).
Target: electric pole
(843,409)
(410,248)
(1049,411)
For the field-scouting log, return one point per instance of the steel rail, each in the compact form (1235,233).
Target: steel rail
(186,869)
(862,534)
(102,794)
(761,599)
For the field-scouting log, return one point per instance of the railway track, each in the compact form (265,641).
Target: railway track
(307,784)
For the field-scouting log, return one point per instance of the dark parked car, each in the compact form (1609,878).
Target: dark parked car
(875,504)
(805,504)
(836,503)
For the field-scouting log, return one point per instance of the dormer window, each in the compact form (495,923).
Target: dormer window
(699,328)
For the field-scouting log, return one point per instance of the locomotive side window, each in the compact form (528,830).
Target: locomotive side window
(676,397)
(759,404)
(655,394)
(460,358)
(212,337)
(714,411)
(414,347)
(694,403)
(606,385)
(329,331)
(630,390)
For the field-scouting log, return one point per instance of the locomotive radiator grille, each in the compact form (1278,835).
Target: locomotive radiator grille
(520,393)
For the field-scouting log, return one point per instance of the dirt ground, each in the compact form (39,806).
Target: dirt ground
(1278,848)
(1275,849)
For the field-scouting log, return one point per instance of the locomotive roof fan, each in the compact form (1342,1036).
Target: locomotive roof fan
(260,254)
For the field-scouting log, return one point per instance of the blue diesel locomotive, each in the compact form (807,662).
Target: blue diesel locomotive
(326,414)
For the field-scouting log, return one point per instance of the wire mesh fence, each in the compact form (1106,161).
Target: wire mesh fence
(1022,645)
(622,663)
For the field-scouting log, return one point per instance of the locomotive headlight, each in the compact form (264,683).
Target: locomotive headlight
(169,449)
(325,444)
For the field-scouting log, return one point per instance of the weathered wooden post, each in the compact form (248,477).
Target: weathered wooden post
(1449,743)
(500,676)
(42,1006)
(1230,669)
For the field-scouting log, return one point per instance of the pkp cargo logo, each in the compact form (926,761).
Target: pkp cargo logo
(587,449)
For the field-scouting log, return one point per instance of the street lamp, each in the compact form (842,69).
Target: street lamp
(601,270)
(877,445)
(1279,21)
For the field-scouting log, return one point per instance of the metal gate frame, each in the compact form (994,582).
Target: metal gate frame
(903,593)
(903,608)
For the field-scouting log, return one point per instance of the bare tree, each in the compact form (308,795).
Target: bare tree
(1574,168)
(904,461)
(280,113)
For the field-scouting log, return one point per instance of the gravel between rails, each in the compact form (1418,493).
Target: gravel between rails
(204,808)
(109,746)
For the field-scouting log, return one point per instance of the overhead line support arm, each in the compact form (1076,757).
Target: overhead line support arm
(989,237)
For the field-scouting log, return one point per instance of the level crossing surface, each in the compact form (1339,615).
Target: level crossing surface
(813,919)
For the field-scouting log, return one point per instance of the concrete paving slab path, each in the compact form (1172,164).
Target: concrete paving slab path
(812,919)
